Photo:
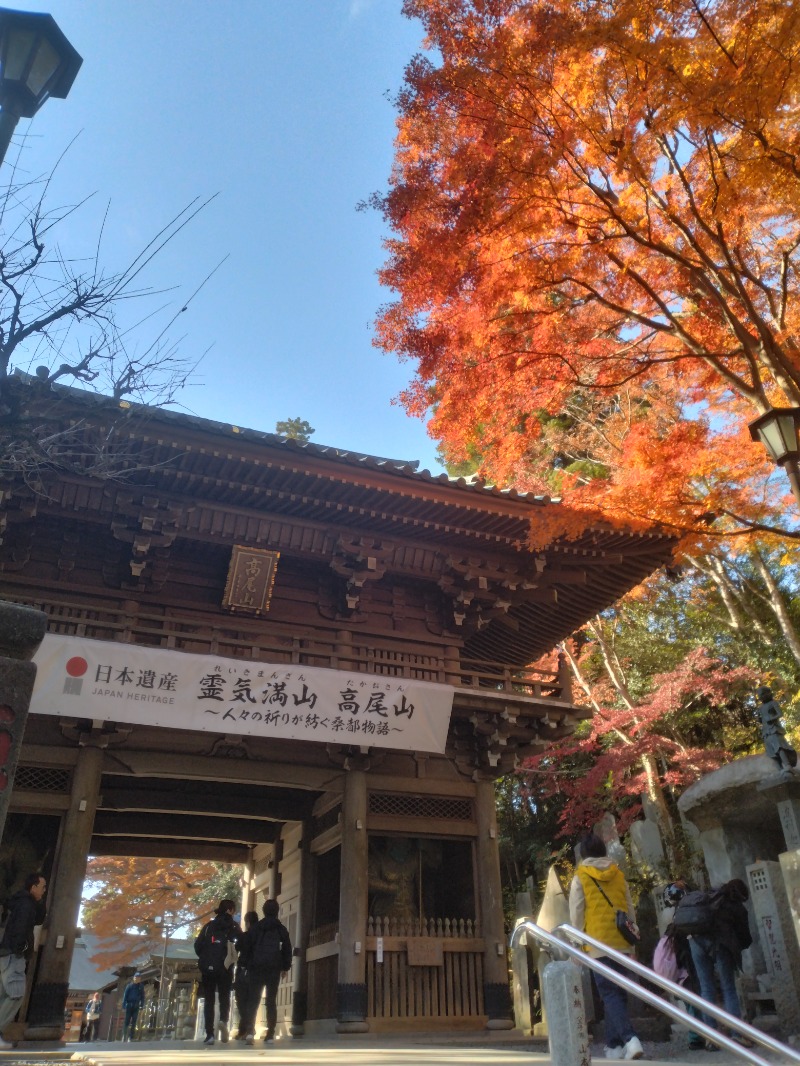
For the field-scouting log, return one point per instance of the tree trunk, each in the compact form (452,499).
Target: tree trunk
(778,605)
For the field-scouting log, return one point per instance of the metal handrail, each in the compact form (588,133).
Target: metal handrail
(556,940)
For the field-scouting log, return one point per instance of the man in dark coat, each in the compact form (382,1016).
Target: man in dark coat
(132,1002)
(240,982)
(720,952)
(270,959)
(215,959)
(25,910)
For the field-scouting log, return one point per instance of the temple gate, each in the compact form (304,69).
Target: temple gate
(198,598)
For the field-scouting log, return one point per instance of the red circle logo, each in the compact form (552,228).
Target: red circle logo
(77,666)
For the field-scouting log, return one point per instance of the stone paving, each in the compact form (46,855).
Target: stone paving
(490,1049)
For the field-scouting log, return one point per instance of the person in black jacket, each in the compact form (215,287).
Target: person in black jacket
(720,952)
(240,985)
(25,910)
(216,966)
(270,958)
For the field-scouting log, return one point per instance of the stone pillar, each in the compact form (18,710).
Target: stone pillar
(351,991)
(21,632)
(305,906)
(45,1019)
(562,993)
(789,814)
(496,993)
(775,931)
(520,968)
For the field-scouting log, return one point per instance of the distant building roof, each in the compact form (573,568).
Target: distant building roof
(91,971)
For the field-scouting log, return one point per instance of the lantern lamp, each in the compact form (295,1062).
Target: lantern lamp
(36,62)
(777,431)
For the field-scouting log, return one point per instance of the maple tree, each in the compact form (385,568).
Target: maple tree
(148,896)
(603,198)
(691,720)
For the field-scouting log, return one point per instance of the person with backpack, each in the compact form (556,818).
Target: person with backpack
(597,892)
(240,982)
(717,945)
(672,959)
(270,958)
(215,948)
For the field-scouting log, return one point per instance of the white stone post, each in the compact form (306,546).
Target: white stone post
(562,993)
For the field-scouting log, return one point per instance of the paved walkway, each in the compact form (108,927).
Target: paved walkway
(491,1049)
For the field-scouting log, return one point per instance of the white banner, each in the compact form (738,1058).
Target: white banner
(79,678)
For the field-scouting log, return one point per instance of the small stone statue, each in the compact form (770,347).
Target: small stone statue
(775,743)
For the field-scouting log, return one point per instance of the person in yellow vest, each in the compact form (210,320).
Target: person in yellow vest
(597,892)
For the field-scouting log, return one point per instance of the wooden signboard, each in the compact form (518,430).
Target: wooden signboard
(425,951)
(251,576)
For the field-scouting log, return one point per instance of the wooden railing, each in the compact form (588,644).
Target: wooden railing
(254,640)
(429,968)
(323,934)
(427,927)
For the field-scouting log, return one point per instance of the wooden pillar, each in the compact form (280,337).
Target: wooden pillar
(21,632)
(275,866)
(45,1019)
(496,993)
(248,895)
(343,650)
(305,906)
(351,991)
(564,678)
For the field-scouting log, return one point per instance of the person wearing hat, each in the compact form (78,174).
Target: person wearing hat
(132,1002)
(215,951)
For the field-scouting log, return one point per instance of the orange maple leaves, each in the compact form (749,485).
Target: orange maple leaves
(603,199)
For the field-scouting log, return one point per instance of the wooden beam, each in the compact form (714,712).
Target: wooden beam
(147,764)
(190,827)
(170,849)
(269,805)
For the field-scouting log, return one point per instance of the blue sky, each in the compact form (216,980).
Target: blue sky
(280,107)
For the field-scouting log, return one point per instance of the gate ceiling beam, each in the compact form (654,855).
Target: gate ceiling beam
(191,827)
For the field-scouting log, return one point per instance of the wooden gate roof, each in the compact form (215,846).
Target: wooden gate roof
(160,475)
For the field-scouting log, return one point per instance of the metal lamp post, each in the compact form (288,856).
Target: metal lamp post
(777,431)
(36,62)
(160,1011)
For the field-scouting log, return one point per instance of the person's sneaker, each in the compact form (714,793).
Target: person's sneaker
(209,1041)
(268,1036)
(613,1052)
(223,1032)
(696,1043)
(249,1039)
(633,1049)
(742,1040)
(5,1045)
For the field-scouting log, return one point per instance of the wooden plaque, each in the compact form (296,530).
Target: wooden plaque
(251,576)
(425,951)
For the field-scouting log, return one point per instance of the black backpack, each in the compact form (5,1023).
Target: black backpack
(211,948)
(695,914)
(268,949)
